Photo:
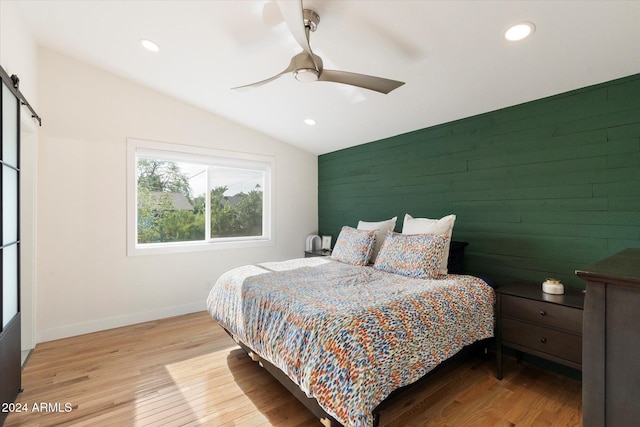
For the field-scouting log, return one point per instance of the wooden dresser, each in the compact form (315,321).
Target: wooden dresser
(611,341)
(545,325)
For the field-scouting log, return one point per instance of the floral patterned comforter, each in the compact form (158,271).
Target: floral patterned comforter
(350,335)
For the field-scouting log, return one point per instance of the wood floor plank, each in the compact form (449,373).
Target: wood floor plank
(185,371)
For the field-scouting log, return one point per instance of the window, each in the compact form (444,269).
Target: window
(184,198)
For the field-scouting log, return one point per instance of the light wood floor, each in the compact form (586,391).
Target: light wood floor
(187,371)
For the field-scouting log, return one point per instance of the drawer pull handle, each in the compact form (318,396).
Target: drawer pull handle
(543,340)
(543,313)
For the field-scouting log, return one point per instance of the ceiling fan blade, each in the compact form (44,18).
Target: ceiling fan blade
(377,84)
(294,17)
(271,14)
(289,69)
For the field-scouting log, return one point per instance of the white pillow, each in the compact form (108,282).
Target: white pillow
(381,228)
(443,225)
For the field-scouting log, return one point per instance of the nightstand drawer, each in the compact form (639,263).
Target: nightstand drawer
(560,344)
(543,313)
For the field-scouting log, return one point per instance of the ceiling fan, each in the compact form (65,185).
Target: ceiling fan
(307,66)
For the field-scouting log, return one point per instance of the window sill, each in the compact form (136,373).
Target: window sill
(184,247)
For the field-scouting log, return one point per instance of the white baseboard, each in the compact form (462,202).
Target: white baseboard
(75,329)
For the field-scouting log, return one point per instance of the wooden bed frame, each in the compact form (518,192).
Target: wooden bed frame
(456,257)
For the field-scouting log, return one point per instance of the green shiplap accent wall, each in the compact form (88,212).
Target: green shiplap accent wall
(539,189)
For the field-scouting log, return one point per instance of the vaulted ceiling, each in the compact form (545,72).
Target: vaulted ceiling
(451,54)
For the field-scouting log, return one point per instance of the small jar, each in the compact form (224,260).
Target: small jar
(552,286)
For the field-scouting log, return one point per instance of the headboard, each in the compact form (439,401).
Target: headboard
(456,256)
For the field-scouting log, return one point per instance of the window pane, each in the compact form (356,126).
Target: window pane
(171,199)
(236,202)
(9,283)
(9,205)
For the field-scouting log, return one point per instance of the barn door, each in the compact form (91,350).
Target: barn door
(10,375)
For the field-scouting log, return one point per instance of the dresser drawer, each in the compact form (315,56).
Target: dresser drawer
(543,313)
(556,343)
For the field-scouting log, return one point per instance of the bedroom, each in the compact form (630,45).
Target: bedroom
(76,211)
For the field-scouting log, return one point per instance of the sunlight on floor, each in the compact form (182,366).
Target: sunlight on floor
(207,394)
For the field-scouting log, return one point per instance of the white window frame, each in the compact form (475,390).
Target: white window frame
(210,156)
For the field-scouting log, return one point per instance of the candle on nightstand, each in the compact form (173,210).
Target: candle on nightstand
(552,286)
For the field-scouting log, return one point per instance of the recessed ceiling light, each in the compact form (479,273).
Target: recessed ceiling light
(149,45)
(519,31)
(309,122)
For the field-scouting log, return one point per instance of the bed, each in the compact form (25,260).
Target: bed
(344,337)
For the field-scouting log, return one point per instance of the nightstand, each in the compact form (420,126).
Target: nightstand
(317,252)
(544,325)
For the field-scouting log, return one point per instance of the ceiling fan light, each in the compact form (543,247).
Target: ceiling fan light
(306,74)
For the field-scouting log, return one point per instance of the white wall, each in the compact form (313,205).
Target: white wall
(86,281)
(18,55)
(18,50)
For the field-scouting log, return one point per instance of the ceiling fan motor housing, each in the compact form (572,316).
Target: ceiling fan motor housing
(305,67)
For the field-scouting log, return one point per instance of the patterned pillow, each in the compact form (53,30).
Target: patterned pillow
(443,225)
(354,246)
(412,255)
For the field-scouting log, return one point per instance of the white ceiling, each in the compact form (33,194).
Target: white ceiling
(451,55)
